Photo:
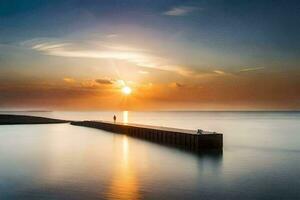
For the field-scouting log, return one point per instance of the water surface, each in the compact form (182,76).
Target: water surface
(261,159)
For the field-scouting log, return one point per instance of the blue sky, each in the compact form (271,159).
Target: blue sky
(246,27)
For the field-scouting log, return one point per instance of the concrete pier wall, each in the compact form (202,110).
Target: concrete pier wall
(184,139)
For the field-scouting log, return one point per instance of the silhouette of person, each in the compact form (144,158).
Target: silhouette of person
(115,118)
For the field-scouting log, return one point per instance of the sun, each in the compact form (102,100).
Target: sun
(126,90)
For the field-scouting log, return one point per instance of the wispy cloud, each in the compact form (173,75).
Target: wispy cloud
(99,83)
(69,80)
(112,35)
(181,10)
(104,81)
(143,72)
(249,69)
(176,85)
(104,50)
(219,72)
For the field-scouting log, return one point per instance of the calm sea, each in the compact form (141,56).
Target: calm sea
(261,159)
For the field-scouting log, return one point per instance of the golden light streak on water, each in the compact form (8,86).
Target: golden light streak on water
(124,184)
(125,117)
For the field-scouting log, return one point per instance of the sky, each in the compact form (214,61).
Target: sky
(173,54)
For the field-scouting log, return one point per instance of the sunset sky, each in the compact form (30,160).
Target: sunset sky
(174,55)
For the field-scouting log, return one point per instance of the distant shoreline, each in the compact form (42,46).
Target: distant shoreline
(12,111)
(24,119)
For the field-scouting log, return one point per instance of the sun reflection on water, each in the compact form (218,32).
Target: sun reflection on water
(124,183)
(125,117)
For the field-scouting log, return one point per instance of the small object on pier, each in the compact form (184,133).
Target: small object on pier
(115,118)
(199,131)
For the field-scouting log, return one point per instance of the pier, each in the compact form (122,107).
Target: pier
(180,138)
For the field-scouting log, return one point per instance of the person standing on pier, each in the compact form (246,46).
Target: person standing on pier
(115,118)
